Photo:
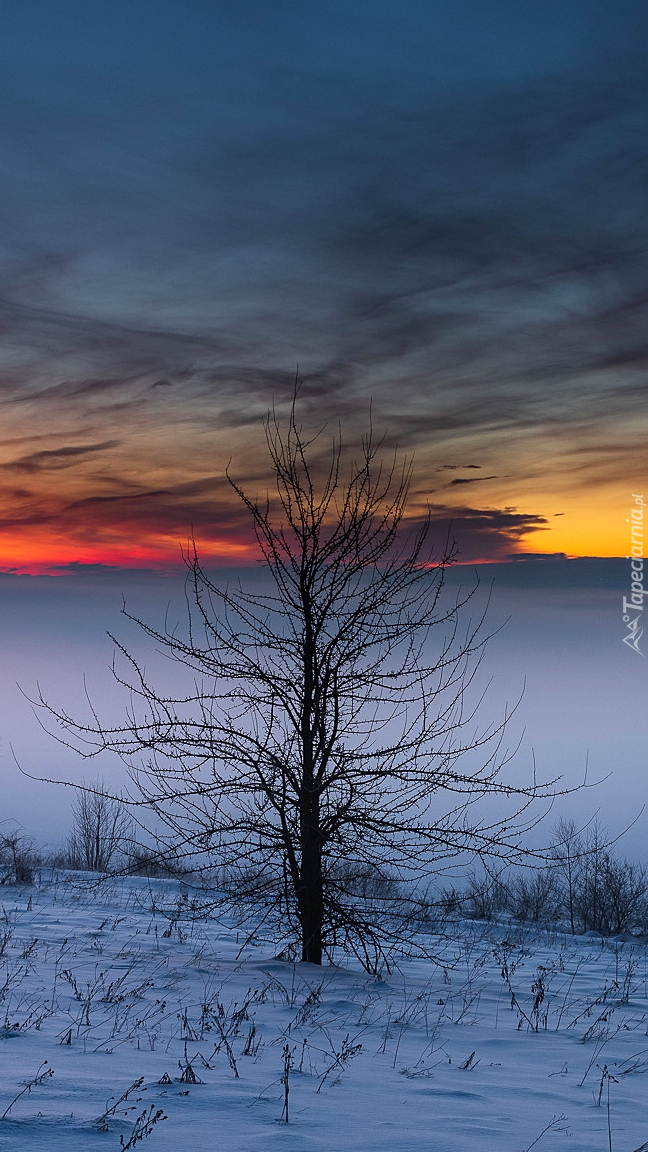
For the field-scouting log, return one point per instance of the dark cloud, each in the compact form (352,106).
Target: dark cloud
(471,480)
(550,571)
(32,516)
(203,505)
(483,534)
(65,457)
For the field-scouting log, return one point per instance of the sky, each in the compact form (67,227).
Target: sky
(432,211)
(436,209)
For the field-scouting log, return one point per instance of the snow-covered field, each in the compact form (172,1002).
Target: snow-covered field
(511,1035)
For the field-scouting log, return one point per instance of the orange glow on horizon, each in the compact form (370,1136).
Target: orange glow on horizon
(43,556)
(46,553)
(47,535)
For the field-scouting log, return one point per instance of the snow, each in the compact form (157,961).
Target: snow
(100,986)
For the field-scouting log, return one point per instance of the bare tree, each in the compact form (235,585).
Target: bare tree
(568,853)
(101,827)
(326,750)
(601,892)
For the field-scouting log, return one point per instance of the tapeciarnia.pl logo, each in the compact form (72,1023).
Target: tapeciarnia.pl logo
(633,607)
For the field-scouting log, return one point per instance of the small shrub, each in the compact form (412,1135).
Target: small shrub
(486,897)
(17,860)
(535,896)
(146,862)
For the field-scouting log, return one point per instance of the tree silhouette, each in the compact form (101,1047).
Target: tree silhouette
(101,828)
(324,763)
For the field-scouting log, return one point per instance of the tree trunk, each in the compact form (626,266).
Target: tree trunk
(310,896)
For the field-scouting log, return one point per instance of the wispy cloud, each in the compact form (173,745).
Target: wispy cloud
(463,245)
(49,458)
